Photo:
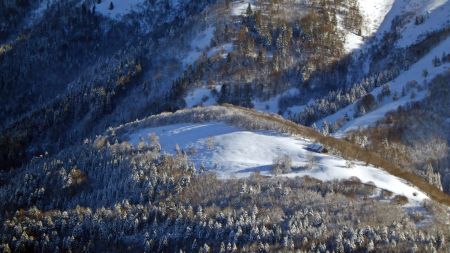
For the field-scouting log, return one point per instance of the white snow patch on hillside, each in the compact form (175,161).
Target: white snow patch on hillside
(436,4)
(198,45)
(223,50)
(374,13)
(271,104)
(240,7)
(233,152)
(201,96)
(121,7)
(396,86)
(352,42)
(294,110)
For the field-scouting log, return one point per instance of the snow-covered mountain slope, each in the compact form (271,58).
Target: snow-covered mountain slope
(428,16)
(397,86)
(232,142)
(136,37)
(71,69)
(100,192)
(418,18)
(232,151)
(373,13)
(378,16)
(188,53)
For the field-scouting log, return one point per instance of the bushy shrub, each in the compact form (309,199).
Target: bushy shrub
(400,200)
(282,164)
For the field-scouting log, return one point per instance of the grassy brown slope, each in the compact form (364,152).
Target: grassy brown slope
(352,151)
(254,120)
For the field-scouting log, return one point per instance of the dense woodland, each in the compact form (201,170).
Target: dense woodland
(103,73)
(113,197)
(299,45)
(93,75)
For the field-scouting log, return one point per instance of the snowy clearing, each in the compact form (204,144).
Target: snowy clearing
(353,42)
(293,110)
(201,96)
(374,13)
(223,50)
(271,105)
(240,7)
(120,7)
(233,152)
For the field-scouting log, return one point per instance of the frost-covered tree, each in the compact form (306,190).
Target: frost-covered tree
(282,164)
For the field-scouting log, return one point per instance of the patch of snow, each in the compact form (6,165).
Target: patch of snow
(121,7)
(353,42)
(198,45)
(396,86)
(223,50)
(239,8)
(294,110)
(233,152)
(271,105)
(436,4)
(201,96)
(374,13)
